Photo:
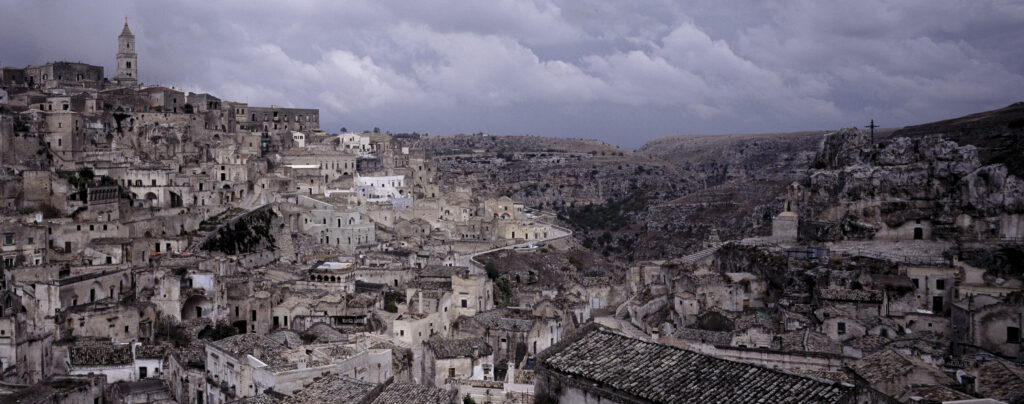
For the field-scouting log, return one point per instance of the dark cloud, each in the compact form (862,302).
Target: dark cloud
(624,72)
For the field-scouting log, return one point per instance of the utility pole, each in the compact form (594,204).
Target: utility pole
(872,127)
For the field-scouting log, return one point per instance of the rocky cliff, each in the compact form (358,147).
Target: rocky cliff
(873,191)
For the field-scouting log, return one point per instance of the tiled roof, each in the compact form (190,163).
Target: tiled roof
(265,349)
(286,337)
(851,295)
(258,399)
(937,393)
(710,337)
(333,389)
(1001,380)
(868,342)
(883,366)
(412,393)
(149,351)
(446,348)
(323,333)
(502,320)
(101,354)
(666,374)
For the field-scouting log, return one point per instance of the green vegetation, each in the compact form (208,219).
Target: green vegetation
(82,179)
(576,263)
(492,270)
(223,330)
(391,300)
(245,235)
(468,400)
(503,289)
(612,215)
(502,292)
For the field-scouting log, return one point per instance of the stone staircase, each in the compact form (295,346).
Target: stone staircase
(283,241)
(252,201)
(699,255)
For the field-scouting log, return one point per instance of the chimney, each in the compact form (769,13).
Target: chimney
(476,351)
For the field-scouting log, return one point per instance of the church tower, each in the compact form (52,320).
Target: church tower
(127,60)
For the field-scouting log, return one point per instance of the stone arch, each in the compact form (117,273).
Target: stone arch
(195,307)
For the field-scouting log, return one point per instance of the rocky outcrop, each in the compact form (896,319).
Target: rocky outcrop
(246,233)
(844,148)
(856,191)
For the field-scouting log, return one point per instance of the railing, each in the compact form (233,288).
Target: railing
(906,259)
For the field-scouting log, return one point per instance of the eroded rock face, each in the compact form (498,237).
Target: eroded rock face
(860,188)
(846,147)
(990,191)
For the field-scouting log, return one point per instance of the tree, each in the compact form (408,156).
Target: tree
(344,129)
(468,400)
(492,270)
(223,330)
(376,129)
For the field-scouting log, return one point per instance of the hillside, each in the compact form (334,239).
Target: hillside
(998,135)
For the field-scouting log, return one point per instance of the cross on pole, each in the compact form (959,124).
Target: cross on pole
(872,127)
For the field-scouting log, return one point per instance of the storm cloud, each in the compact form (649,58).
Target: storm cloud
(623,72)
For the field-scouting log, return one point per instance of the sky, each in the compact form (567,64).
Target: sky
(620,71)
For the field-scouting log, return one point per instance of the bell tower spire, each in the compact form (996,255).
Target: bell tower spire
(127,60)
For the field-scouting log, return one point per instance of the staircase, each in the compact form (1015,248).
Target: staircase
(284,243)
(699,255)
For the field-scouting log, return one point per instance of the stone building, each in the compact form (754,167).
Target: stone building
(64,74)
(446,360)
(127,60)
(598,365)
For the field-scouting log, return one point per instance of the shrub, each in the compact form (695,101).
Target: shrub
(492,270)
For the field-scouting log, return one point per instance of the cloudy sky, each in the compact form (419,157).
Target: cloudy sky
(620,71)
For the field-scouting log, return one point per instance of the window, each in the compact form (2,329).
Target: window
(451,372)
(940,284)
(841,328)
(465,303)
(1012,335)
(915,283)
(8,238)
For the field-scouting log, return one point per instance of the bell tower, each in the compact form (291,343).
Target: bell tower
(127,60)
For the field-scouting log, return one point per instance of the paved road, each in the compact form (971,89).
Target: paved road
(474,267)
